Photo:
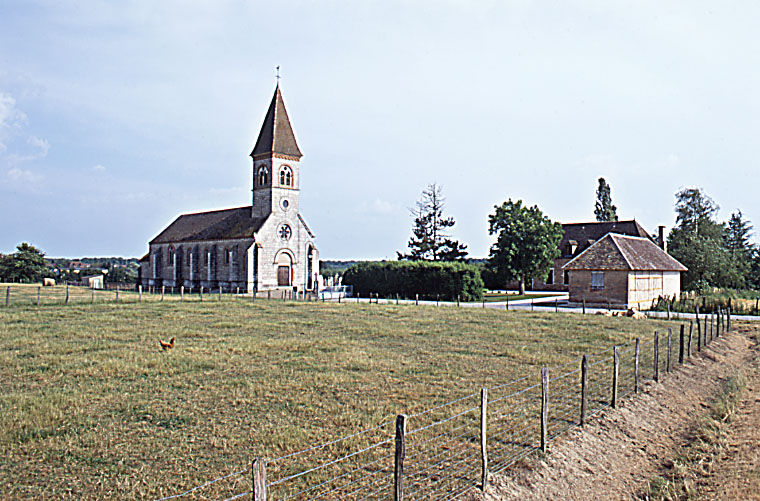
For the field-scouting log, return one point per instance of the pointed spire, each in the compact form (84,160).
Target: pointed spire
(276,134)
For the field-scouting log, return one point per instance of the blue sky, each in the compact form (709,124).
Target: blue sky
(115,117)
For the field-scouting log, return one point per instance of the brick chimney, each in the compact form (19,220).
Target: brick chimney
(661,238)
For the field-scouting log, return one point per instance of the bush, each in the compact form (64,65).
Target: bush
(429,279)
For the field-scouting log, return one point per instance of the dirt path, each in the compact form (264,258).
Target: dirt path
(735,472)
(616,454)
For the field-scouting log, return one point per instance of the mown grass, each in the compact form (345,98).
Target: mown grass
(92,408)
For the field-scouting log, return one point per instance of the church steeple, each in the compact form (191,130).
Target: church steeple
(276,159)
(276,136)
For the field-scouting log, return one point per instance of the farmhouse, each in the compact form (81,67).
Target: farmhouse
(623,271)
(578,237)
(265,245)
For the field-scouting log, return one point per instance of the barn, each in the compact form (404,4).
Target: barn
(623,271)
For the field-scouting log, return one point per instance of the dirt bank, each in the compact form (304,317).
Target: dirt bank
(620,450)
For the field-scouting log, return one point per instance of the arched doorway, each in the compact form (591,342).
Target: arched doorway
(284,270)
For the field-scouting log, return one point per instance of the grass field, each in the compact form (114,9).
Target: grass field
(91,408)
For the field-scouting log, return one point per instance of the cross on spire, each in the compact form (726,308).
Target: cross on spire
(278,74)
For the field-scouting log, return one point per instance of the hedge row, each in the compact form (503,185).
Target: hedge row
(429,279)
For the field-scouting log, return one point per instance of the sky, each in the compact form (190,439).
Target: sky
(116,117)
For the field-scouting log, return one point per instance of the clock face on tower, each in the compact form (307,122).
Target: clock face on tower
(284,232)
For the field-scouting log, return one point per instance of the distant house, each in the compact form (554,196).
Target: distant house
(623,271)
(577,238)
(94,281)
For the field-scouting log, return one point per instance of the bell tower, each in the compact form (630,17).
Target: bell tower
(276,158)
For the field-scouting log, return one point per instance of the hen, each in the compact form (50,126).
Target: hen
(166,346)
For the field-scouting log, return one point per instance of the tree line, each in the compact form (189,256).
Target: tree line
(527,242)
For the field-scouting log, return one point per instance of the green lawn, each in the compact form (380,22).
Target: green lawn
(492,297)
(92,408)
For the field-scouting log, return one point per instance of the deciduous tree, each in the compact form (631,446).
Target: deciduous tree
(527,242)
(603,209)
(27,264)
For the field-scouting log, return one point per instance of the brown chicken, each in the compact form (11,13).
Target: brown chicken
(166,346)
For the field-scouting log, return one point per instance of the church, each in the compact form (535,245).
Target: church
(263,246)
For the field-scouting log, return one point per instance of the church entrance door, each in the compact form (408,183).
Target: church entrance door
(283,275)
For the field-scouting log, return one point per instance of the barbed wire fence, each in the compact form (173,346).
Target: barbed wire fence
(441,452)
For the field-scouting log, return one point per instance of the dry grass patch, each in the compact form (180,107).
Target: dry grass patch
(92,408)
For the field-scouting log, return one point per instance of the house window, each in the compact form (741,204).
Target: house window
(205,257)
(550,277)
(286,176)
(227,254)
(171,256)
(565,277)
(263,176)
(597,280)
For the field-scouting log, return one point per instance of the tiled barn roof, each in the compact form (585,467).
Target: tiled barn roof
(276,134)
(214,225)
(582,235)
(623,252)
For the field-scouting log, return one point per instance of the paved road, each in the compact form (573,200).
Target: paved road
(556,302)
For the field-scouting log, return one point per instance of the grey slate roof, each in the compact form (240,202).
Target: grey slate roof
(215,225)
(276,135)
(584,235)
(623,252)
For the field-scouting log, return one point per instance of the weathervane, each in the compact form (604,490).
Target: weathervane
(278,74)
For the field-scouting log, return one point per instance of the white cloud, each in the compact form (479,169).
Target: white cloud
(99,168)
(42,144)
(24,176)
(10,117)
(380,208)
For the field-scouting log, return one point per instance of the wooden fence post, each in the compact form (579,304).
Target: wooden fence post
(397,299)
(38,294)
(67,293)
(729,317)
(584,305)
(637,351)
(668,305)
(506,304)
(92,299)
(398,472)
(670,336)
(584,388)
(484,301)
(163,289)
(656,375)
(457,299)
(8,295)
(139,293)
(200,293)
(705,333)
(220,293)
(259,479)
(556,305)
(681,348)
(615,372)
(699,335)
(544,406)
(688,346)
(181,292)
(483,448)
(117,293)
(416,299)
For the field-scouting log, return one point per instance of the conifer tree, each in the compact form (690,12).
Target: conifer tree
(430,240)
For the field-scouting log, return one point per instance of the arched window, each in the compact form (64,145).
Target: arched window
(286,176)
(263,176)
